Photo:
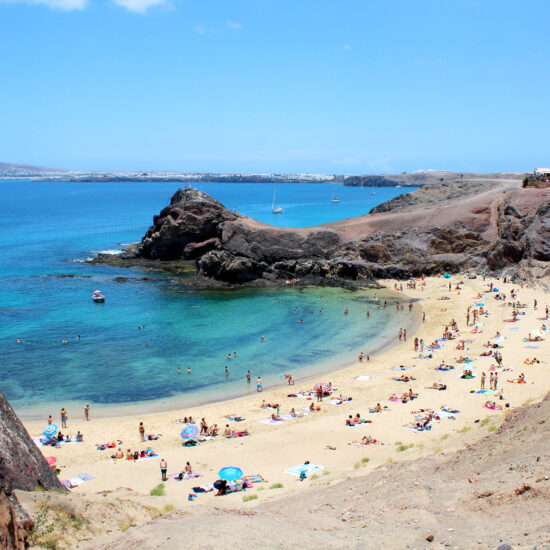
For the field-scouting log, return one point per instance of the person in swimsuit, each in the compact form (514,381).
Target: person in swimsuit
(163,468)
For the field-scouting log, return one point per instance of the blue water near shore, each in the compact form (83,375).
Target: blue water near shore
(49,229)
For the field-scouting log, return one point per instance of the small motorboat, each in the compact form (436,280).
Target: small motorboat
(97,297)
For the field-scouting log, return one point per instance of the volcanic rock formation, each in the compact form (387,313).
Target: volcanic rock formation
(22,466)
(494,227)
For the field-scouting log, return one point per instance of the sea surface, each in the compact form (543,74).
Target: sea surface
(72,351)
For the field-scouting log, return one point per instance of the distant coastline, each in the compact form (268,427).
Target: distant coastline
(417,178)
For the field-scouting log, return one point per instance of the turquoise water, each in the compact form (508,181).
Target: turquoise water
(48,229)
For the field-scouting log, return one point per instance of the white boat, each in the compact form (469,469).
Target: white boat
(372,190)
(97,297)
(274,208)
(334,196)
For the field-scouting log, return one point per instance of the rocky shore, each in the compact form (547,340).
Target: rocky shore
(495,227)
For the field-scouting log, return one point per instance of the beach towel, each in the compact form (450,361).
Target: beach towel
(148,457)
(532,347)
(186,476)
(361,444)
(513,329)
(271,422)
(365,377)
(236,418)
(490,409)
(444,369)
(254,478)
(307,468)
(207,488)
(402,368)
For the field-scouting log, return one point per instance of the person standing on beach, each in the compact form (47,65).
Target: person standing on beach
(163,468)
(495,382)
(50,419)
(259,384)
(64,417)
(424,317)
(248,377)
(491,381)
(87,412)
(400,334)
(482,385)
(416,344)
(404,335)
(361,357)
(142,431)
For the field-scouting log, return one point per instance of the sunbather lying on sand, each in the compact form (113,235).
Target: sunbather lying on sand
(437,386)
(368,440)
(405,378)
(492,405)
(533,361)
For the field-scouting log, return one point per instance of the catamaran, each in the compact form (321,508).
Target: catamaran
(274,208)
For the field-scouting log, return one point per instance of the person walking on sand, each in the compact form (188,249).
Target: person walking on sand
(482,384)
(491,381)
(87,412)
(404,335)
(361,357)
(400,334)
(64,418)
(142,431)
(259,384)
(495,382)
(163,468)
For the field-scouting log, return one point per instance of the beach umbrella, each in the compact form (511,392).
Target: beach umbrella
(536,333)
(230,473)
(50,430)
(322,385)
(498,340)
(189,432)
(447,275)
(51,460)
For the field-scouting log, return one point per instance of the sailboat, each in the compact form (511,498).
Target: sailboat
(372,190)
(274,208)
(334,196)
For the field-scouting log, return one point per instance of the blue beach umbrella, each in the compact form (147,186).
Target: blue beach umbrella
(230,473)
(50,430)
(189,432)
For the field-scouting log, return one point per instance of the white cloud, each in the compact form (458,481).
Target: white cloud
(347,47)
(235,26)
(56,4)
(139,6)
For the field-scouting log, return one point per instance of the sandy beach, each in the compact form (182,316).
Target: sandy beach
(321,437)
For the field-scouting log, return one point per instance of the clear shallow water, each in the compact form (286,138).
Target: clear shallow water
(47,226)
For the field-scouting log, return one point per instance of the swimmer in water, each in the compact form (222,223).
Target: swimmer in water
(248,377)
(262,339)
(17,341)
(226,371)
(229,357)
(346,311)
(64,341)
(188,370)
(179,370)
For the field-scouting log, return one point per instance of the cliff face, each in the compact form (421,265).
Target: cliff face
(493,227)
(22,466)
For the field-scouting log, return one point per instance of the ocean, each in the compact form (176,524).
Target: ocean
(72,351)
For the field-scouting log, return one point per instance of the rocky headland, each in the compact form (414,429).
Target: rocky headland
(492,226)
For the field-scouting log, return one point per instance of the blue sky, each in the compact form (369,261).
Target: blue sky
(337,86)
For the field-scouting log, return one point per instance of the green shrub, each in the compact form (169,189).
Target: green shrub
(493,428)
(246,498)
(402,448)
(157,491)
(365,460)
(277,486)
